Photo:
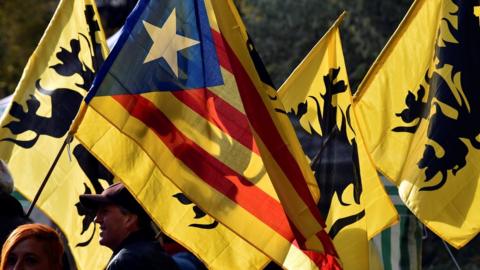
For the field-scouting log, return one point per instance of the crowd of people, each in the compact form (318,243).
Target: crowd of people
(125,228)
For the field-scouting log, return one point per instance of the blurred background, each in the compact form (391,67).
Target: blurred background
(283,32)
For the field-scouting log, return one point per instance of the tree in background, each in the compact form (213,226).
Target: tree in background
(284,31)
(21,25)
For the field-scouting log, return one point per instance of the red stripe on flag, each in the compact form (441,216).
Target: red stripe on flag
(327,243)
(208,168)
(263,124)
(322,260)
(272,139)
(226,117)
(221,51)
(215,173)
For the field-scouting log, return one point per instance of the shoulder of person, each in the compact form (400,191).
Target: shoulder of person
(142,255)
(123,260)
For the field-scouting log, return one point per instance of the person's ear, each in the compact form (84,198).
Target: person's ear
(131,221)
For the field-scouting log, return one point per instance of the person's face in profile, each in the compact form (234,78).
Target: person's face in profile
(114,225)
(29,254)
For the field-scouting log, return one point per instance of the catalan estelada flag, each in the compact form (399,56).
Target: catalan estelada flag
(317,95)
(36,123)
(183,99)
(418,112)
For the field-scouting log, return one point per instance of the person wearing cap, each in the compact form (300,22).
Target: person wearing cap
(125,228)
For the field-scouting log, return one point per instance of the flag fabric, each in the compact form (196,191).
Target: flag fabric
(35,125)
(183,99)
(400,246)
(417,111)
(317,96)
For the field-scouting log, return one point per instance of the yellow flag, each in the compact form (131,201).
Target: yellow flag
(35,125)
(418,111)
(201,117)
(317,95)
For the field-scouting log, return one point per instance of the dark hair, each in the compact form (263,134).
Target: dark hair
(43,233)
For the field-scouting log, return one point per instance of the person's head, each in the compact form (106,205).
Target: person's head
(117,213)
(32,247)
(6,180)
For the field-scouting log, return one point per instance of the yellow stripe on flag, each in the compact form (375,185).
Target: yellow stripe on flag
(105,139)
(152,137)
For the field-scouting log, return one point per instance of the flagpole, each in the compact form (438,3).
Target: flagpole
(317,157)
(68,139)
(451,255)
